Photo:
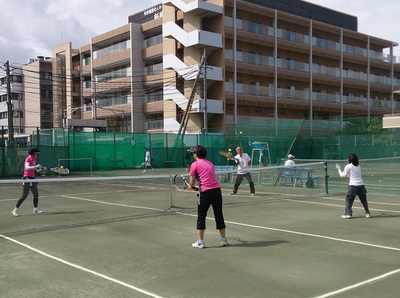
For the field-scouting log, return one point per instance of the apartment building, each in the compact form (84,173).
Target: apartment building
(217,64)
(38,94)
(15,84)
(31,97)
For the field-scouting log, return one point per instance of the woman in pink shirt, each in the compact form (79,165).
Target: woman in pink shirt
(210,194)
(30,168)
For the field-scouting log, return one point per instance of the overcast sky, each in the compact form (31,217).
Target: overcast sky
(30,28)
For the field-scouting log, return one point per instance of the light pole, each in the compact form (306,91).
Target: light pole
(116,112)
(10,112)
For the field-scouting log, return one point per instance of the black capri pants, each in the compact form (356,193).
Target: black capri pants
(211,197)
(32,186)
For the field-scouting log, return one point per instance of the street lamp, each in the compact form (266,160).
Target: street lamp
(69,112)
(116,112)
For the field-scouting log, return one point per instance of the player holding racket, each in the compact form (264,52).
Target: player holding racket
(356,185)
(210,194)
(243,161)
(30,169)
(147,160)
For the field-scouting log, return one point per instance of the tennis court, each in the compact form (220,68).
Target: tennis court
(129,235)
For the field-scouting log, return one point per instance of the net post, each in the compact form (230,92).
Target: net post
(326,176)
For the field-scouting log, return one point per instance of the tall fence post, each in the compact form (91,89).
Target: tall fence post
(326,176)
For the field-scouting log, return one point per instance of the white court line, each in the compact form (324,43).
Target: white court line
(359,284)
(81,268)
(109,203)
(252,226)
(230,222)
(341,206)
(369,202)
(299,233)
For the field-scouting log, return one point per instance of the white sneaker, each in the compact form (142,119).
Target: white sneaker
(346,216)
(153,170)
(233,193)
(198,244)
(368,215)
(224,242)
(37,211)
(252,194)
(15,212)
(144,171)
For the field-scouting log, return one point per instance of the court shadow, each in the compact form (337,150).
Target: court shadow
(66,212)
(245,243)
(382,215)
(251,244)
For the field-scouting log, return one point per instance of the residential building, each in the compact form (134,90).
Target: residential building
(31,97)
(261,61)
(16,90)
(38,94)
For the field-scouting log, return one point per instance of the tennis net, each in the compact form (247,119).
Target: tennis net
(380,175)
(69,201)
(303,174)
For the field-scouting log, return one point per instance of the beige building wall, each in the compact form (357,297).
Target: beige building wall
(38,104)
(64,73)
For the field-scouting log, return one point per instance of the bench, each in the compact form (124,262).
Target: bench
(293,175)
(227,173)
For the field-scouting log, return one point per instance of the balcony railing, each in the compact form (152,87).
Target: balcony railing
(116,48)
(261,29)
(113,75)
(152,41)
(268,92)
(154,124)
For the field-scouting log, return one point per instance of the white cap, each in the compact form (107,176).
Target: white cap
(229,149)
(290,156)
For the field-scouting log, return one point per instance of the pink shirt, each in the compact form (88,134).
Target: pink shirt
(204,172)
(32,162)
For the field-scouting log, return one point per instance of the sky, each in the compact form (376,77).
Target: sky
(31,28)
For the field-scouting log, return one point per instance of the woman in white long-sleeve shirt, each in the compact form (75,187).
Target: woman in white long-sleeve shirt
(356,185)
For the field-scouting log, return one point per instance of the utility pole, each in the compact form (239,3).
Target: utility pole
(94,107)
(235,121)
(205,131)
(10,113)
(94,100)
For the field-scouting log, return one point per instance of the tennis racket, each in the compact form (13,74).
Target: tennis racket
(181,183)
(228,155)
(58,170)
(61,171)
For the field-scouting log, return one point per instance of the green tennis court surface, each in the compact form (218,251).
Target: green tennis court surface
(131,235)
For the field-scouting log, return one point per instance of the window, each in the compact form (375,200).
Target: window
(291,64)
(254,27)
(47,76)
(254,58)
(46,95)
(255,88)
(16,79)
(239,55)
(290,35)
(3,115)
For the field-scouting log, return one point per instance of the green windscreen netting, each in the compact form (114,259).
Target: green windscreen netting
(267,144)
